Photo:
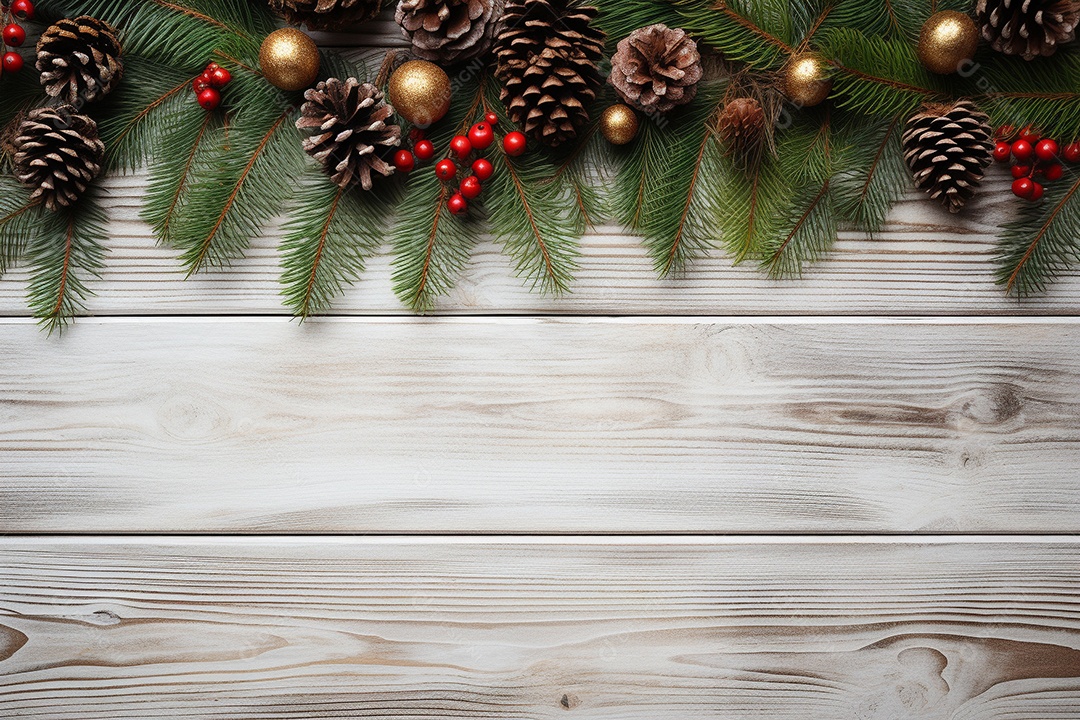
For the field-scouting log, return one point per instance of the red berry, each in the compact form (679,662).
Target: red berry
(220,77)
(471,187)
(491,119)
(424,150)
(1036,192)
(483,169)
(1023,187)
(1022,150)
(1002,151)
(1005,132)
(1019,171)
(1072,152)
(1030,134)
(211,67)
(416,134)
(14,36)
(514,143)
(22,9)
(481,135)
(461,146)
(12,62)
(199,84)
(404,161)
(1054,172)
(457,204)
(445,169)
(209,99)
(1046,150)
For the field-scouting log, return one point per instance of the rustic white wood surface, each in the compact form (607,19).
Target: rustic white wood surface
(533,425)
(790,630)
(195,407)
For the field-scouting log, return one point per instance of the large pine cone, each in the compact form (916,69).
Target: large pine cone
(325,14)
(346,125)
(656,68)
(1028,28)
(947,148)
(57,153)
(450,31)
(79,59)
(547,62)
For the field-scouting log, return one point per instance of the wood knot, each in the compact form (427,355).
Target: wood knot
(569,702)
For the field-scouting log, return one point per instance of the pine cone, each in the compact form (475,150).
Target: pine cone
(450,31)
(741,126)
(57,153)
(1028,28)
(947,147)
(346,125)
(79,59)
(656,68)
(325,14)
(547,62)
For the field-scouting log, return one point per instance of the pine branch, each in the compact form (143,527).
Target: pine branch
(176,167)
(431,247)
(65,247)
(19,219)
(809,232)
(537,220)
(877,178)
(752,199)
(1043,242)
(758,33)
(877,76)
(1044,94)
(329,234)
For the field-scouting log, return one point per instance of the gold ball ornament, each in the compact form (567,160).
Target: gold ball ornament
(947,40)
(805,80)
(420,92)
(289,59)
(619,124)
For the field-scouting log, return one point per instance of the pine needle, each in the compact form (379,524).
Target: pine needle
(1043,242)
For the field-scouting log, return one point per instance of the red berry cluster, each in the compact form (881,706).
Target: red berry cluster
(207,87)
(1034,157)
(479,138)
(13,34)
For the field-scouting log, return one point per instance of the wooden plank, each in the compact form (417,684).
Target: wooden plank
(290,628)
(540,426)
(925,262)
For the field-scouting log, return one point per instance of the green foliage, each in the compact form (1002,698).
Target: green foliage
(876,76)
(874,178)
(242,189)
(65,248)
(327,238)
(664,188)
(19,218)
(1044,94)
(1043,242)
(756,32)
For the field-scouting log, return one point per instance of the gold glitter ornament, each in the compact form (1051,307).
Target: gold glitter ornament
(948,40)
(619,124)
(289,59)
(805,80)
(420,92)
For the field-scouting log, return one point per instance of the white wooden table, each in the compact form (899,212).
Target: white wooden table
(849,496)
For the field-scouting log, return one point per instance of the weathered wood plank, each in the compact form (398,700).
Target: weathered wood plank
(796,629)
(925,262)
(530,426)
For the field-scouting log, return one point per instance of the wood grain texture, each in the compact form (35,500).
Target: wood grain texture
(926,262)
(547,425)
(433,629)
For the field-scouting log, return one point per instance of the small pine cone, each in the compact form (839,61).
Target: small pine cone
(57,153)
(345,121)
(1028,28)
(741,126)
(548,57)
(450,31)
(656,68)
(79,59)
(947,148)
(325,14)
